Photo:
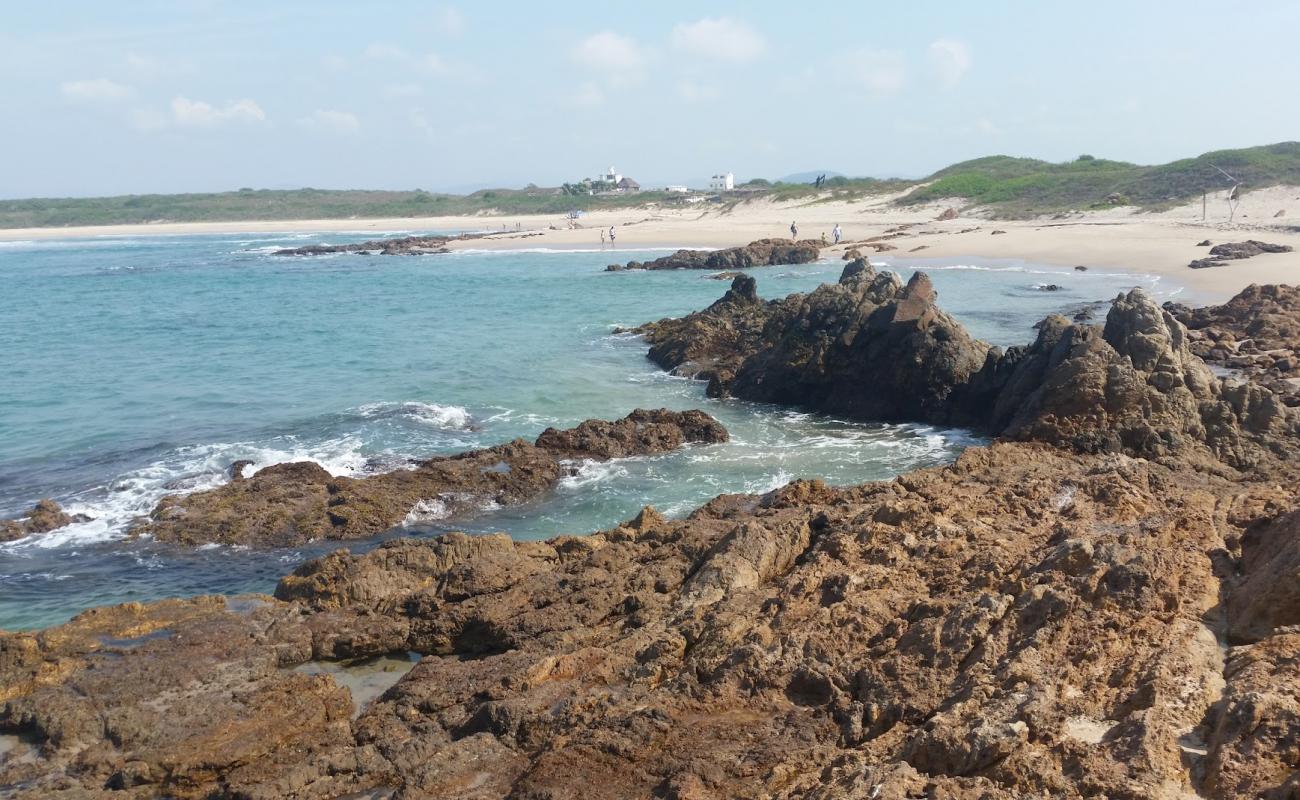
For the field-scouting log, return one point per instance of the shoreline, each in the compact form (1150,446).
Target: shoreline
(1119,240)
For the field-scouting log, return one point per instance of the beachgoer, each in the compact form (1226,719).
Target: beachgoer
(602,237)
(824,242)
(835,233)
(794,231)
(611,235)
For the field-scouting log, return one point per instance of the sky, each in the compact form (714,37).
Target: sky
(102,98)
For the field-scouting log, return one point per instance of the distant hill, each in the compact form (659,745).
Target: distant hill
(809,177)
(1028,187)
(1007,186)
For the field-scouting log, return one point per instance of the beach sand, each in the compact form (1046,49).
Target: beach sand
(1116,239)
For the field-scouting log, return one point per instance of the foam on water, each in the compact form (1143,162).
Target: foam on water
(439,416)
(113,506)
(176,357)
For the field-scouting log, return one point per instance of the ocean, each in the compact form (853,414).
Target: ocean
(136,366)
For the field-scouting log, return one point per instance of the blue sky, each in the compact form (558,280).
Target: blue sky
(108,98)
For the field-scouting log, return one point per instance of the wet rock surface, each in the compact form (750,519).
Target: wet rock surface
(297,502)
(870,347)
(44,517)
(762,253)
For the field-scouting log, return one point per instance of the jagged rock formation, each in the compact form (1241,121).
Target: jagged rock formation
(1256,334)
(44,517)
(1033,620)
(1221,254)
(1026,622)
(404,246)
(292,503)
(872,348)
(762,253)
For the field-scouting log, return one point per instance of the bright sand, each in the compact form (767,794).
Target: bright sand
(1160,243)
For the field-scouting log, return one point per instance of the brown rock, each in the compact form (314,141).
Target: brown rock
(764,252)
(289,504)
(44,517)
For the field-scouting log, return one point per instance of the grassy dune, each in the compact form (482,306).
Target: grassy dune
(1010,187)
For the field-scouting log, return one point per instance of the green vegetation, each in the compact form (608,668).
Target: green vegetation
(1022,187)
(1010,187)
(264,204)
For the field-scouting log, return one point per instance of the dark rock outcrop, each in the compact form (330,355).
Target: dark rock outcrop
(44,517)
(871,348)
(292,503)
(1221,254)
(403,246)
(762,253)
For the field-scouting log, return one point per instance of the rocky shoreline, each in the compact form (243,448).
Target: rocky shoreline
(762,253)
(1102,603)
(403,246)
(291,504)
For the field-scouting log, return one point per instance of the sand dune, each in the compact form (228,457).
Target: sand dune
(1117,239)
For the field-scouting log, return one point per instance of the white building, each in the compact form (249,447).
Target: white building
(722,183)
(677,188)
(611,176)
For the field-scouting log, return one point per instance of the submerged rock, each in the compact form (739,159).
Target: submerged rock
(404,246)
(298,502)
(44,517)
(762,253)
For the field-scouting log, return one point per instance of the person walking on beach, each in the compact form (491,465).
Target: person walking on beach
(602,238)
(835,233)
(611,235)
(794,231)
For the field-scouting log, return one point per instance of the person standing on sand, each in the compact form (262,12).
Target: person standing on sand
(602,238)
(794,231)
(611,235)
(835,233)
(824,242)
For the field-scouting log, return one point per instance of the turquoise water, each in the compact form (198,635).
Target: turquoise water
(138,366)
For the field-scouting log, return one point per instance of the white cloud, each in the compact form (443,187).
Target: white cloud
(450,21)
(610,51)
(188,113)
(881,72)
(722,39)
(693,92)
(98,90)
(951,59)
(337,121)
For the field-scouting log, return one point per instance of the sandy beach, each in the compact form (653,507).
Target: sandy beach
(1117,239)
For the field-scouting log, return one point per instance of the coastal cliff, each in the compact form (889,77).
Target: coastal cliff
(1102,603)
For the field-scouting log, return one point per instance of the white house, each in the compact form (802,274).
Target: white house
(611,176)
(676,188)
(722,183)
